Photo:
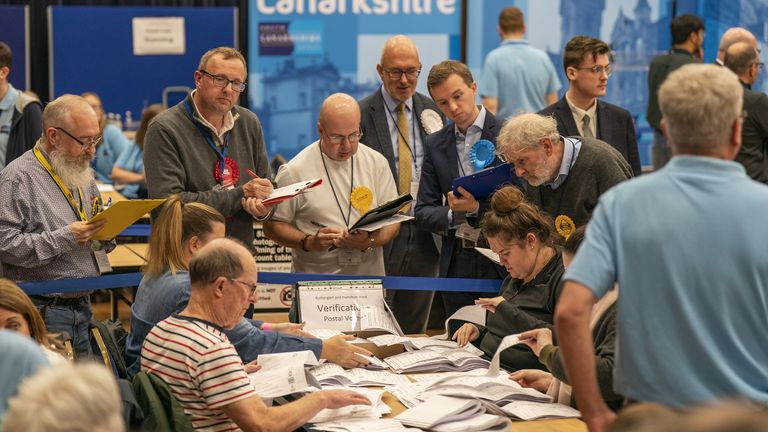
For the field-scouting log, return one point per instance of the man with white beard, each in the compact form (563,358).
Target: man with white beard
(48,195)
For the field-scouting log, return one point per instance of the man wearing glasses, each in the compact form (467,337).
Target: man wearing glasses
(744,60)
(49,194)
(204,147)
(355,180)
(396,120)
(587,65)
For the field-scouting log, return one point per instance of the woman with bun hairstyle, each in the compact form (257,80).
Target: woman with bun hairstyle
(523,237)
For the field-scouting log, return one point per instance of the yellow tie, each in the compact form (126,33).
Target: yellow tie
(404,151)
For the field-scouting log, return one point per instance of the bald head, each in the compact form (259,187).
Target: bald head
(59,111)
(398,45)
(732,36)
(743,59)
(399,67)
(339,126)
(220,257)
(338,104)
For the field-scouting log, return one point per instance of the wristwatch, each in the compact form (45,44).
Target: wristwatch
(371,242)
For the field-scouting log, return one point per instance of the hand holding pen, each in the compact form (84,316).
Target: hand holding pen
(258,187)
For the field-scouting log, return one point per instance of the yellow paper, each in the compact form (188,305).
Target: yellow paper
(121,215)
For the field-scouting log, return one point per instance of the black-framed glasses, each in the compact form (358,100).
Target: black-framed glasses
(90,142)
(220,81)
(352,138)
(251,287)
(599,70)
(397,74)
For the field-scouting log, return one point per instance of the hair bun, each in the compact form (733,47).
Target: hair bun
(506,200)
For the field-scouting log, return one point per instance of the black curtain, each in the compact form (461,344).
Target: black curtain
(38,25)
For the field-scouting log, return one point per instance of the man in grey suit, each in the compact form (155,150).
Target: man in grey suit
(580,113)
(395,122)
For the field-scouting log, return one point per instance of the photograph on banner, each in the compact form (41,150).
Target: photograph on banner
(304,50)
(636,30)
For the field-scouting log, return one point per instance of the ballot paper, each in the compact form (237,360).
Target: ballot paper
(498,390)
(491,255)
(267,361)
(472,313)
(528,410)
(448,414)
(287,192)
(373,411)
(396,219)
(505,343)
(370,317)
(323,333)
(433,361)
(330,374)
(286,377)
(413,343)
(367,425)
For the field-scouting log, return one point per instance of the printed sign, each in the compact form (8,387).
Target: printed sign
(153,36)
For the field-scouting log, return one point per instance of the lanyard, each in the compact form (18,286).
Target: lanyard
(79,210)
(222,154)
(351,187)
(402,135)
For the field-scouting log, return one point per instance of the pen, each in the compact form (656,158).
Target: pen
(317,224)
(251,173)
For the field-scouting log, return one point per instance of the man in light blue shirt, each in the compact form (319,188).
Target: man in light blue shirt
(21,358)
(688,250)
(516,76)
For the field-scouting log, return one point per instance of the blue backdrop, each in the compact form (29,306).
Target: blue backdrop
(13,31)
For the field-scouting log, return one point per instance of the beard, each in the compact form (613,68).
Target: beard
(75,172)
(546,173)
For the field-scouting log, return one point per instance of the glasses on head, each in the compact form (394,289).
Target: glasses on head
(397,74)
(220,81)
(598,70)
(352,138)
(251,287)
(90,142)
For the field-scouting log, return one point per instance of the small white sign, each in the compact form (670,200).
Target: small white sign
(153,35)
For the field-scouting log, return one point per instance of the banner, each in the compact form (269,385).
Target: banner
(301,51)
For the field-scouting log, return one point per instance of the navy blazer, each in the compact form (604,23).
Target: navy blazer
(373,123)
(441,167)
(614,126)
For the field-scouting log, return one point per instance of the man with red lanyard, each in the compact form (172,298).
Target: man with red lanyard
(206,148)
(49,194)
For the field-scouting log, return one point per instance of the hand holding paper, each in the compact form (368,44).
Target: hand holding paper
(537,339)
(489,304)
(466,334)
(532,378)
(84,231)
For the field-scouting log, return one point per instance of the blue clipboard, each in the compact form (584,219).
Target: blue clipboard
(483,184)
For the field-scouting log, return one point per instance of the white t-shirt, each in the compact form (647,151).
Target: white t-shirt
(318,206)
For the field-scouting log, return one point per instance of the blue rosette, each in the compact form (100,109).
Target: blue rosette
(482,154)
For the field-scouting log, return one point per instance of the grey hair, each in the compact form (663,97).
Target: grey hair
(524,131)
(57,112)
(699,103)
(220,257)
(80,397)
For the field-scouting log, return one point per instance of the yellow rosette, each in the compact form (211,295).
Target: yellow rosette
(564,226)
(361,199)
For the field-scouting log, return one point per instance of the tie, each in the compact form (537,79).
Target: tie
(404,151)
(586,131)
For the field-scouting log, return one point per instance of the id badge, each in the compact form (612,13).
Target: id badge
(415,189)
(466,232)
(102,261)
(350,257)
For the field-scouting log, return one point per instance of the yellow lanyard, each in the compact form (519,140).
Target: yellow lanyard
(64,189)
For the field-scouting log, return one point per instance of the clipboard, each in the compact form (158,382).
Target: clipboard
(287,192)
(121,215)
(483,184)
(381,212)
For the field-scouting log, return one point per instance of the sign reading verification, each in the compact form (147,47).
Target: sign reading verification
(154,36)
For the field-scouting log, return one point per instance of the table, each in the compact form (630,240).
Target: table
(128,256)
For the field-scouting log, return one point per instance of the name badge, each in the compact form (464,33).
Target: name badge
(350,257)
(466,232)
(415,190)
(102,261)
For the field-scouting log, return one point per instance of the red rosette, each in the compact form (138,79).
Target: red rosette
(233,169)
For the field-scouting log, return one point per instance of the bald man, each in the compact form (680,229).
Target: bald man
(395,133)
(730,37)
(744,60)
(355,180)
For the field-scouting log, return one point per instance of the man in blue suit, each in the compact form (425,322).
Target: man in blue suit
(447,156)
(393,118)
(580,113)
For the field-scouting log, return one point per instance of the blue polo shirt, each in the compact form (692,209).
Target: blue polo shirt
(688,246)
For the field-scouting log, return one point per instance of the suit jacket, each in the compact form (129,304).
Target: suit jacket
(441,167)
(753,153)
(614,126)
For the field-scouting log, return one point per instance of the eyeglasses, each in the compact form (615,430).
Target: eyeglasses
(352,138)
(90,142)
(598,70)
(397,74)
(251,287)
(760,66)
(220,81)
(504,158)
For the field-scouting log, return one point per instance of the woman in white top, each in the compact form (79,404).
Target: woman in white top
(18,313)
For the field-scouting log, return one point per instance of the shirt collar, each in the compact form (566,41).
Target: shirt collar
(580,112)
(569,150)
(515,42)
(9,99)
(226,126)
(392,104)
(476,125)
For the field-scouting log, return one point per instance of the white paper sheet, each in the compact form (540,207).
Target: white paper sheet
(491,255)
(507,342)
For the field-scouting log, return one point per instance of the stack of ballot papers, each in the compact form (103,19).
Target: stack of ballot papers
(526,410)
(433,361)
(329,374)
(499,390)
(412,343)
(367,425)
(374,411)
(448,414)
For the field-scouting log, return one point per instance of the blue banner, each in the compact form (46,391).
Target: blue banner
(14,31)
(304,50)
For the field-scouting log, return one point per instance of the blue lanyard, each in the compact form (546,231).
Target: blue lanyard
(207,136)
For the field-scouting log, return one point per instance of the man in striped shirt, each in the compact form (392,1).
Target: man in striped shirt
(190,352)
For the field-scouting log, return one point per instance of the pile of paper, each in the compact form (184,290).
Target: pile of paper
(497,390)
(283,373)
(374,411)
(412,343)
(448,414)
(330,374)
(526,410)
(434,361)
